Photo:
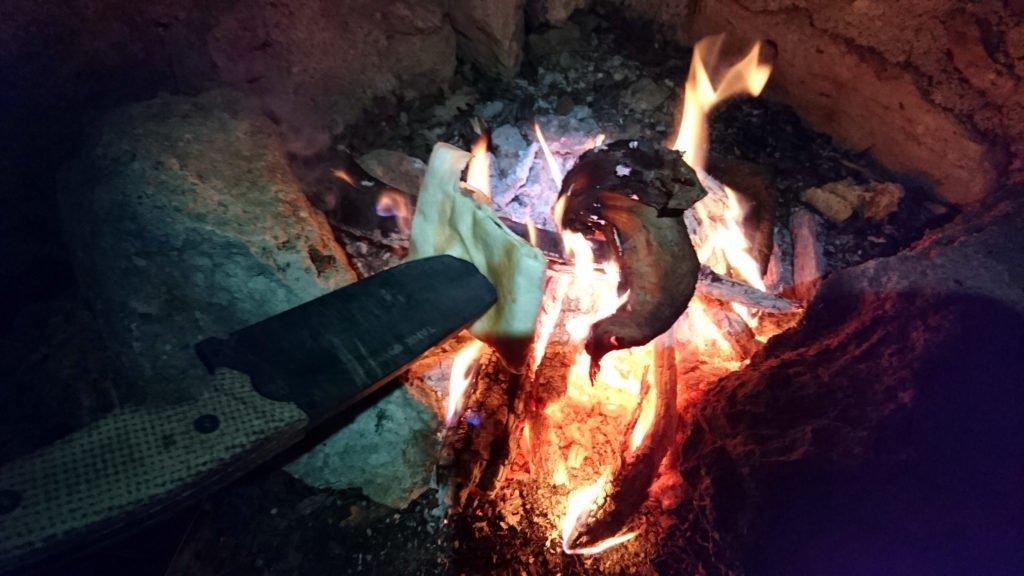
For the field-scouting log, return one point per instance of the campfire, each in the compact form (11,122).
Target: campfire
(583,434)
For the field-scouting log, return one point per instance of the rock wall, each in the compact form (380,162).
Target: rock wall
(883,431)
(313,65)
(185,222)
(931,87)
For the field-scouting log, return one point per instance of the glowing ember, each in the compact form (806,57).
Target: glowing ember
(478,175)
(582,501)
(463,367)
(394,203)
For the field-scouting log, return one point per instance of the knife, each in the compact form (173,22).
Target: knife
(269,383)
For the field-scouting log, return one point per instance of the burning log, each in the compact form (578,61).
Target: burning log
(779,275)
(602,519)
(732,327)
(634,195)
(476,451)
(808,254)
(714,285)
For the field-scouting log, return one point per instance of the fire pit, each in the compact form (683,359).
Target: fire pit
(736,327)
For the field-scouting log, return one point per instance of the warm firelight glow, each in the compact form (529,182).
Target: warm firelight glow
(721,243)
(581,501)
(463,368)
(746,77)
(646,418)
(478,175)
(394,203)
(615,390)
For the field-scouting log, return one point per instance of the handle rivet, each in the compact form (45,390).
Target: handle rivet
(206,423)
(9,501)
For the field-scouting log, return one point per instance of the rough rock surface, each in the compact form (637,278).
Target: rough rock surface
(314,65)
(554,12)
(186,222)
(490,34)
(389,451)
(930,86)
(884,428)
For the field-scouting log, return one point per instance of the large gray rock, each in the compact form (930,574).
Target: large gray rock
(389,451)
(490,34)
(889,417)
(186,222)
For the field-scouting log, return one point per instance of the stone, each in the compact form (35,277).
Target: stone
(490,34)
(829,204)
(892,408)
(186,222)
(646,95)
(838,200)
(388,451)
(928,86)
(882,199)
(553,12)
(396,169)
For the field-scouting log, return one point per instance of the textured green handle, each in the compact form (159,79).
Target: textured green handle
(136,462)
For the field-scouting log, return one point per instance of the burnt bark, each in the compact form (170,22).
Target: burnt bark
(638,467)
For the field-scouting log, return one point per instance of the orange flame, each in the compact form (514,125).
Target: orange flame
(463,367)
(748,76)
(582,501)
(721,244)
(478,175)
(394,203)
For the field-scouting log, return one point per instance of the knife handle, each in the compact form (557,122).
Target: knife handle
(136,462)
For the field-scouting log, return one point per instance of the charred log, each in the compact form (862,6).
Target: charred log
(638,467)
(475,453)
(714,285)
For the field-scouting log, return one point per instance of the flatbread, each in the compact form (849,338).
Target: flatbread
(450,220)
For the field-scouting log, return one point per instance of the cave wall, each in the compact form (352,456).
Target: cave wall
(931,87)
(312,65)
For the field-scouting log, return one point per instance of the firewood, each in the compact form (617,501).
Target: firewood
(714,285)
(779,275)
(732,327)
(476,451)
(808,254)
(628,488)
